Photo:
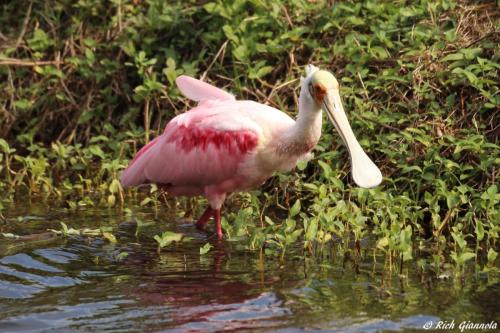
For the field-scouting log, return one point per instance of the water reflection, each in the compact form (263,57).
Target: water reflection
(78,284)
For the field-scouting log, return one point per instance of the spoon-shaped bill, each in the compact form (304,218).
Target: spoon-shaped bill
(364,172)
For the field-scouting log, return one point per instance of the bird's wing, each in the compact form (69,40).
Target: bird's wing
(200,91)
(196,149)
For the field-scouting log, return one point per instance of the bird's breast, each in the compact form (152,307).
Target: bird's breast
(282,157)
(295,148)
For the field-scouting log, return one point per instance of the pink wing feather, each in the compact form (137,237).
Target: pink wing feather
(200,91)
(207,145)
(199,148)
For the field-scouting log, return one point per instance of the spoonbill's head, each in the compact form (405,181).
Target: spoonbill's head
(323,88)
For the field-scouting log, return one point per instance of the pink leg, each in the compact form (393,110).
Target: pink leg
(204,218)
(218,225)
(215,199)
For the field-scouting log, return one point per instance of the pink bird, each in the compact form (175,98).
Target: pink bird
(224,145)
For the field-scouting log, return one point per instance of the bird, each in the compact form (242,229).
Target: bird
(224,145)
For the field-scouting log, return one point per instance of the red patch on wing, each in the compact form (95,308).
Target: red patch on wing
(189,138)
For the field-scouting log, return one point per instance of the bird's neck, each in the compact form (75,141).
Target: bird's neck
(304,135)
(308,126)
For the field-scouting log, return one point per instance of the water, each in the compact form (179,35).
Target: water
(80,284)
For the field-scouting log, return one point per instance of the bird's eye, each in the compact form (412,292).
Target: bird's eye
(311,89)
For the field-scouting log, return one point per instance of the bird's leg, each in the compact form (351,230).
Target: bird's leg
(204,218)
(218,225)
(216,199)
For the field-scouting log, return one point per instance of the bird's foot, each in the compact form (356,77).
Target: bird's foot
(220,235)
(202,222)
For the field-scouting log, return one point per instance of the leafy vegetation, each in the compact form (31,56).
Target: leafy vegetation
(167,238)
(84,84)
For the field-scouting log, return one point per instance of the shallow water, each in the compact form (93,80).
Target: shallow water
(78,284)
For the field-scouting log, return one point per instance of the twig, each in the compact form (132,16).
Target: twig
(32,237)
(120,24)
(291,56)
(224,77)
(481,38)
(68,93)
(221,49)
(146,120)
(245,89)
(260,96)
(446,219)
(289,20)
(25,25)
(364,87)
(176,110)
(276,88)
(285,84)
(28,63)
(12,89)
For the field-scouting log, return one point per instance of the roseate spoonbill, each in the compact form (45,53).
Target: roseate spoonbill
(224,145)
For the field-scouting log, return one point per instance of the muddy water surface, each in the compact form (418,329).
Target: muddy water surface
(87,284)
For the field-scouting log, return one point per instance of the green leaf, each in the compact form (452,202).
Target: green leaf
(229,32)
(167,238)
(301,165)
(121,256)
(170,71)
(312,229)
(64,228)
(205,248)
(115,186)
(268,220)
(145,201)
(326,169)
(452,200)
(468,74)
(109,236)
(23,104)
(382,242)
(453,57)
(90,56)
(4,146)
(492,255)
(9,235)
(264,71)
(355,20)
(241,52)
(290,225)
(408,169)
(466,256)
(158,239)
(379,52)
(471,54)
(479,230)
(111,200)
(295,209)
(97,151)
(459,240)
(40,41)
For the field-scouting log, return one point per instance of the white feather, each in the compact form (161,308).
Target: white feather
(310,69)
